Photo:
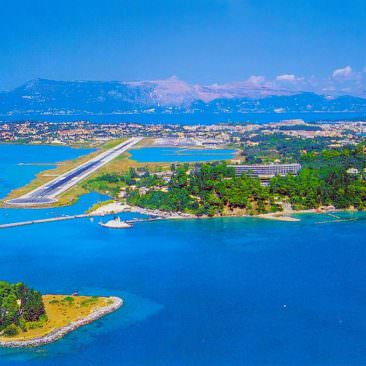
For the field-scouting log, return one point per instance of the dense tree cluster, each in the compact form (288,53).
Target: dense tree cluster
(18,305)
(213,189)
(278,146)
(326,180)
(209,189)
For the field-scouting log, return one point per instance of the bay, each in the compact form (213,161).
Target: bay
(187,118)
(226,291)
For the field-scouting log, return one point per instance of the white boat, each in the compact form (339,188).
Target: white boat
(116,223)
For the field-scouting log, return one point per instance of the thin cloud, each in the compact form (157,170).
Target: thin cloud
(256,80)
(342,73)
(289,78)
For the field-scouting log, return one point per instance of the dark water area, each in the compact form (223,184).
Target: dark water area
(190,119)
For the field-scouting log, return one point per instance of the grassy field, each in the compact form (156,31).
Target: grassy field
(61,310)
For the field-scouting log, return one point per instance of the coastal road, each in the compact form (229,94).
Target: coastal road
(47,193)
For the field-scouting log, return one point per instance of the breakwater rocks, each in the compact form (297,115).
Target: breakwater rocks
(61,332)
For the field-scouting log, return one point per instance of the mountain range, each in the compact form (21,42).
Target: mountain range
(41,96)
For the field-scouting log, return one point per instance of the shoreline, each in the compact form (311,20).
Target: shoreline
(117,207)
(59,333)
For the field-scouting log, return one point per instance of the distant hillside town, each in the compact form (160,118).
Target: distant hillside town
(292,132)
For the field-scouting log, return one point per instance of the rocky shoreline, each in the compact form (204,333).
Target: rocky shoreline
(61,332)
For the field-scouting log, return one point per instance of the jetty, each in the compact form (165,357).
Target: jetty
(41,221)
(73,217)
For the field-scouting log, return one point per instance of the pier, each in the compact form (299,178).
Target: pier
(71,217)
(41,221)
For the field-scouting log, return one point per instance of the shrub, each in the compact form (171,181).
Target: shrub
(11,331)
(68,299)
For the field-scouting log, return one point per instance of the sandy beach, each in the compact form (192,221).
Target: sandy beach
(117,207)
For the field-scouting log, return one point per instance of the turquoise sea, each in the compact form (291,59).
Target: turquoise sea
(233,291)
(176,154)
(19,164)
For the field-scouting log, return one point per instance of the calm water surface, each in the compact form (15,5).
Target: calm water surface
(189,118)
(173,154)
(200,292)
(19,164)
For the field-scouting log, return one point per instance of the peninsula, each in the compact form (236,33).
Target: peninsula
(28,319)
(331,178)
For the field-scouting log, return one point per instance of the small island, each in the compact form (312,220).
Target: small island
(30,319)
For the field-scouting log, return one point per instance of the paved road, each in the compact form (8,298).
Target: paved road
(48,193)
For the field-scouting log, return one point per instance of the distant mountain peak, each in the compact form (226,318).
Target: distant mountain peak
(165,96)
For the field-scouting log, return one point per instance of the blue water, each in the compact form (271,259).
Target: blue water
(233,291)
(173,154)
(209,292)
(14,175)
(189,118)
(9,215)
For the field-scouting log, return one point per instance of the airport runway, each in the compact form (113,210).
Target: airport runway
(47,193)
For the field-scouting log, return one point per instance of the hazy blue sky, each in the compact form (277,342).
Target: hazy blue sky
(202,41)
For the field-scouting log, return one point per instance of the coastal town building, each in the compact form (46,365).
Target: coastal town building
(175,134)
(266,171)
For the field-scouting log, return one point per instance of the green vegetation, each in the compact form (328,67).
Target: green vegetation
(112,183)
(213,189)
(281,147)
(328,177)
(68,299)
(210,189)
(324,180)
(19,305)
(61,310)
(89,301)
